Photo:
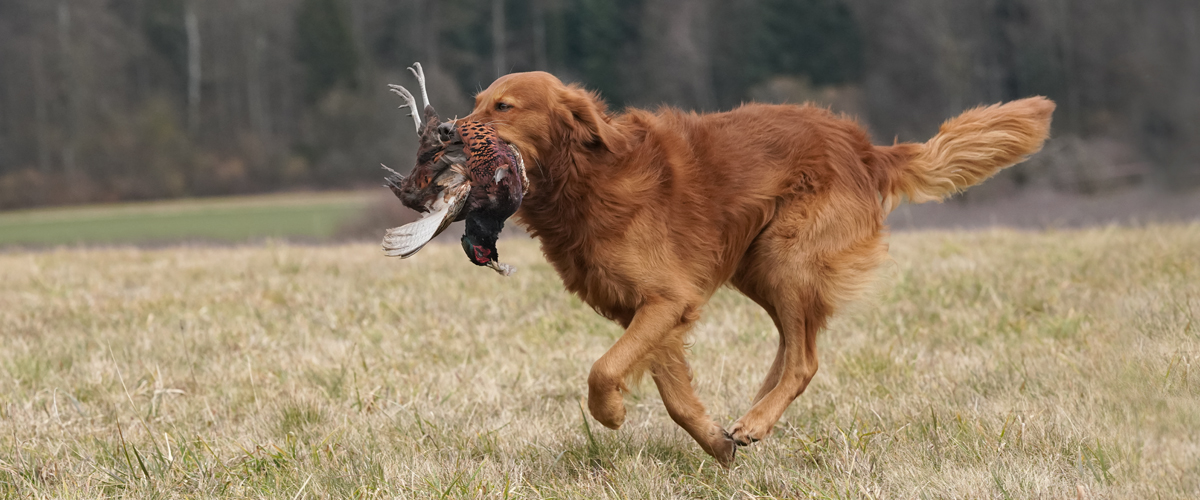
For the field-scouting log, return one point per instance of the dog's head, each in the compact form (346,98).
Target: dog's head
(541,116)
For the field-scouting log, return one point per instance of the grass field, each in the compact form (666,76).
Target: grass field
(308,216)
(994,364)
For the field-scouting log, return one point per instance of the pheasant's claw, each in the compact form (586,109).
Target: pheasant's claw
(410,102)
(418,72)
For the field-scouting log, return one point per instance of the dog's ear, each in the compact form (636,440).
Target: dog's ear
(586,120)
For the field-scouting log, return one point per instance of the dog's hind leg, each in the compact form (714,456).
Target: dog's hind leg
(772,377)
(765,275)
(800,318)
(804,265)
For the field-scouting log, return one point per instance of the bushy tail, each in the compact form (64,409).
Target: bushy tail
(967,150)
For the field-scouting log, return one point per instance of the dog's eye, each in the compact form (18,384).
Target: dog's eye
(503,106)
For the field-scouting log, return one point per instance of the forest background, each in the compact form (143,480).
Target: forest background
(107,100)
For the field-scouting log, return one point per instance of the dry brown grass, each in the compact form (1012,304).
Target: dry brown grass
(989,364)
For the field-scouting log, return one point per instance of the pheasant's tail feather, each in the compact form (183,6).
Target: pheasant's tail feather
(393,181)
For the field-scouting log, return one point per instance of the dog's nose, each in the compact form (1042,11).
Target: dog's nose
(445,131)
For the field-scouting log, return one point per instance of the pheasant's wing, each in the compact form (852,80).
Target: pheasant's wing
(406,240)
(455,199)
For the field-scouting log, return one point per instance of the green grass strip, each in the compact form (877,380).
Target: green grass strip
(302,216)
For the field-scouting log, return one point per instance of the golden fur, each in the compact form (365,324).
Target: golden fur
(645,215)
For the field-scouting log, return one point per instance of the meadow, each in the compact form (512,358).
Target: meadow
(986,364)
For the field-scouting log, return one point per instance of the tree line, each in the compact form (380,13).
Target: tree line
(131,99)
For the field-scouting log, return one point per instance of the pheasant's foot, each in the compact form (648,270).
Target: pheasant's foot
(418,72)
(409,102)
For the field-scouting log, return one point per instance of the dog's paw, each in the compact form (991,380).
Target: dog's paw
(607,407)
(746,433)
(722,448)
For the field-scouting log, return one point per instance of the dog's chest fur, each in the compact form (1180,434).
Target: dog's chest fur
(583,243)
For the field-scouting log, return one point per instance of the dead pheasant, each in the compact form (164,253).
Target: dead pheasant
(463,171)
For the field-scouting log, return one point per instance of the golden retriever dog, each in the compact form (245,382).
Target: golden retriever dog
(646,214)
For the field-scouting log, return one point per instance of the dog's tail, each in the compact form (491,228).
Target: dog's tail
(967,150)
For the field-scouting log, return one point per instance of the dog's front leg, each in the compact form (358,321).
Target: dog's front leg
(652,325)
(674,381)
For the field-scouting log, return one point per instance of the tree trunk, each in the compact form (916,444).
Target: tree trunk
(71,84)
(255,45)
(192,25)
(432,30)
(676,61)
(1066,35)
(498,41)
(539,36)
(40,106)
